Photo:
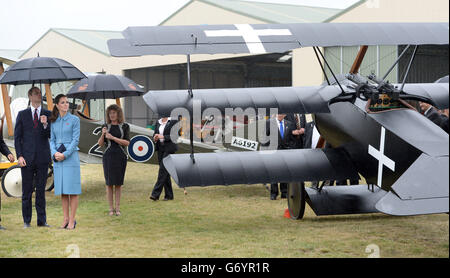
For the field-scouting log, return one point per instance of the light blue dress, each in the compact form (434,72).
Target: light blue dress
(66,130)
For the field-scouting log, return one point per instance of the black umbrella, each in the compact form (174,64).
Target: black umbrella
(45,70)
(104,86)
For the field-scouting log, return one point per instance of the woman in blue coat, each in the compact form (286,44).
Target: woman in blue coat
(64,138)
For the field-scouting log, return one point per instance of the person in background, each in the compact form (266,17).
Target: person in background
(65,135)
(116,135)
(6,152)
(31,134)
(286,131)
(434,115)
(299,120)
(165,146)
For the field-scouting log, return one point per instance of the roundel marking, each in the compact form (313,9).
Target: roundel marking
(141,148)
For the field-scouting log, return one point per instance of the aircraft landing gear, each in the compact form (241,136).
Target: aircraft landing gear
(296,200)
(12,181)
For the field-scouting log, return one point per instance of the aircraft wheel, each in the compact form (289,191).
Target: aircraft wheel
(296,200)
(12,182)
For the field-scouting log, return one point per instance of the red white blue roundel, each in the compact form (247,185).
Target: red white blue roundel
(141,148)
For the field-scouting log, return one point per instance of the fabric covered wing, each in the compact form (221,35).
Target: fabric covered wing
(267,38)
(286,99)
(227,168)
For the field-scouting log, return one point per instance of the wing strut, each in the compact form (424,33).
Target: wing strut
(392,67)
(326,63)
(191,115)
(321,66)
(409,67)
(358,60)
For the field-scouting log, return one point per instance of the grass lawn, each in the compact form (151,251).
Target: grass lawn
(219,221)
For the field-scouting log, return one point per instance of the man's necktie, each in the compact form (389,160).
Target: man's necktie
(297,121)
(35,119)
(281,130)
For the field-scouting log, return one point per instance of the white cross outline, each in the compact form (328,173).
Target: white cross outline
(382,159)
(250,35)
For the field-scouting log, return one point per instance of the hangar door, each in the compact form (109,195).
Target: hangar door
(250,71)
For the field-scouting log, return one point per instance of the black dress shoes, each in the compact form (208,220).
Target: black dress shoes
(153,198)
(283,196)
(167,199)
(273,197)
(44,225)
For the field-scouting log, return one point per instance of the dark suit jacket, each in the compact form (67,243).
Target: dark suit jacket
(298,141)
(437,118)
(168,145)
(287,141)
(3,148)
(32,143)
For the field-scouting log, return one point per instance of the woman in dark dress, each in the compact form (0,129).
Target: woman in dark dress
(115,137)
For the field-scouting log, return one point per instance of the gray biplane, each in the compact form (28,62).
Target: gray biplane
(372,129)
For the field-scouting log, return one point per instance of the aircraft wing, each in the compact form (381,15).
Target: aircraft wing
(302,100)
(437,93)
(416,130)
(228,168)
(419,194)
(267,38)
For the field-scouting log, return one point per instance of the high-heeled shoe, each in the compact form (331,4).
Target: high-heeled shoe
(74,225)
(65,226)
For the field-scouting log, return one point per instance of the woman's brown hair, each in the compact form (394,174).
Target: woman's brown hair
(55,111)
(114,107)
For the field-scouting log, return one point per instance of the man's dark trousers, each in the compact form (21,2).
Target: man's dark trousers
(37,172)
(164,180)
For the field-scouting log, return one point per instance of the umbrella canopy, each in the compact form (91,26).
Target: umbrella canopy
(45,70)
(104,86)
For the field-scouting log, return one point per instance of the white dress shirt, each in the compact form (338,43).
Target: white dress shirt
(161,127)
(284,127)
(38,114)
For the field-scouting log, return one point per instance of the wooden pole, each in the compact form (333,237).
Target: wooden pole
(6,105)
(86,109)
(359,58)
(48,94)
(118,102)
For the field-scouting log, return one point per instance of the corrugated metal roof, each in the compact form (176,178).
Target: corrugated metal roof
(10,56)
(94,39)
(276,13)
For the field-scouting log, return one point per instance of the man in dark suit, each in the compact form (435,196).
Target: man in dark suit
(299,121)
(164,145)
(31,135)
(434,115)
(286,131)
(6,152)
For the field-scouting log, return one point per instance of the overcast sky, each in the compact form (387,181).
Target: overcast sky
(25,21)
